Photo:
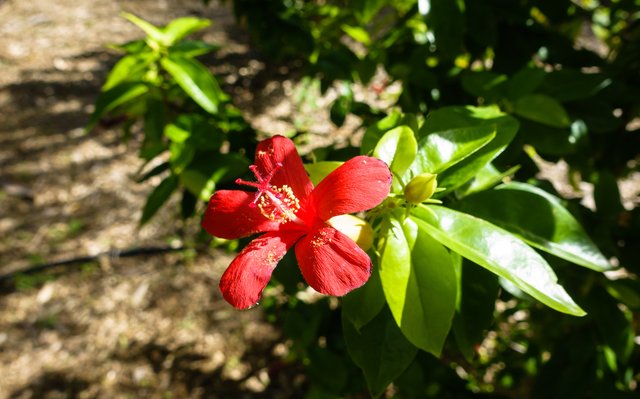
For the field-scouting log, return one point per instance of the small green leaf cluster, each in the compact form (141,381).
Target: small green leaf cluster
(185,118)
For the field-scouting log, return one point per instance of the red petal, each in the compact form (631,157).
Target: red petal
(229,215)
(331,262)
(280,149)
(245,278)
(359,184)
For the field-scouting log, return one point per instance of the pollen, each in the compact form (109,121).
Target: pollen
(279,204)
(320,239)
(271,259)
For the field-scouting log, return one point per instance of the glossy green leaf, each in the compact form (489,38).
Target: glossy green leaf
(538,218)
(182,27)
(153,32)
(379,349)
(439,151)
(158,197)
(196,81)
(110,99)
(449,118)
(419,283)
(397,148)
(360,306)
(319,170)
(543,109)
(498,251)
(377,130)
(486,178)
(128,68)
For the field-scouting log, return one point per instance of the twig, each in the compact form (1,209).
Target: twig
(111,254)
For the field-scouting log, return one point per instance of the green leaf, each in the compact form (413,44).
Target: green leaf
(538,218)
(196,81)
(154,124)
(153,32)
(419,282)
(376,131)
(181,155)
(543,109)
(128,68)
(498,251)
(439,151)
(192,48)
(161,168)
(488,85)
(362,305)
(524,82)
(397,148)
(110,99)
(176,133)
(465,117)
(319,170)
(357,33)
(486,178)
(570,85)
(158,197)
(379,349)
(198,184)
(182,27)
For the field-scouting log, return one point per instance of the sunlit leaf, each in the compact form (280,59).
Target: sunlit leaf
(419,282)
(397,148)
(498,251)
(538,218)
(196,81)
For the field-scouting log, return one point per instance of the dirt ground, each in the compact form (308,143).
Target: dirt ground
(143,326)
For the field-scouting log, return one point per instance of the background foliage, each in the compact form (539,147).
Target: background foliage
(480,89)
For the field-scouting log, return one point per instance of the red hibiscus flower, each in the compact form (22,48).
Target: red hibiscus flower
(290,211)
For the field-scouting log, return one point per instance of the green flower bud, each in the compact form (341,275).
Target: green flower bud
(420,188)
(355,228)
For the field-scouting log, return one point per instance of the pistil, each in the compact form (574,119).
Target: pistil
(274,202)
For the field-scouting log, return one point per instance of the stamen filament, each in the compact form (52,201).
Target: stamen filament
(282,207)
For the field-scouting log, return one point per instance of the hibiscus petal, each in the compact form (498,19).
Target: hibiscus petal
(359,184)
(331,262)
(281,150)
(245,278)
(230,215)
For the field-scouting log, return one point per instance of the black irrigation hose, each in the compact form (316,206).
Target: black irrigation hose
(112,254)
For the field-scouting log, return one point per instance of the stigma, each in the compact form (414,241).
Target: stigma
(276,203)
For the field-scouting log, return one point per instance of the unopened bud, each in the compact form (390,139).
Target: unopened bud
(355,228)
(420,188)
